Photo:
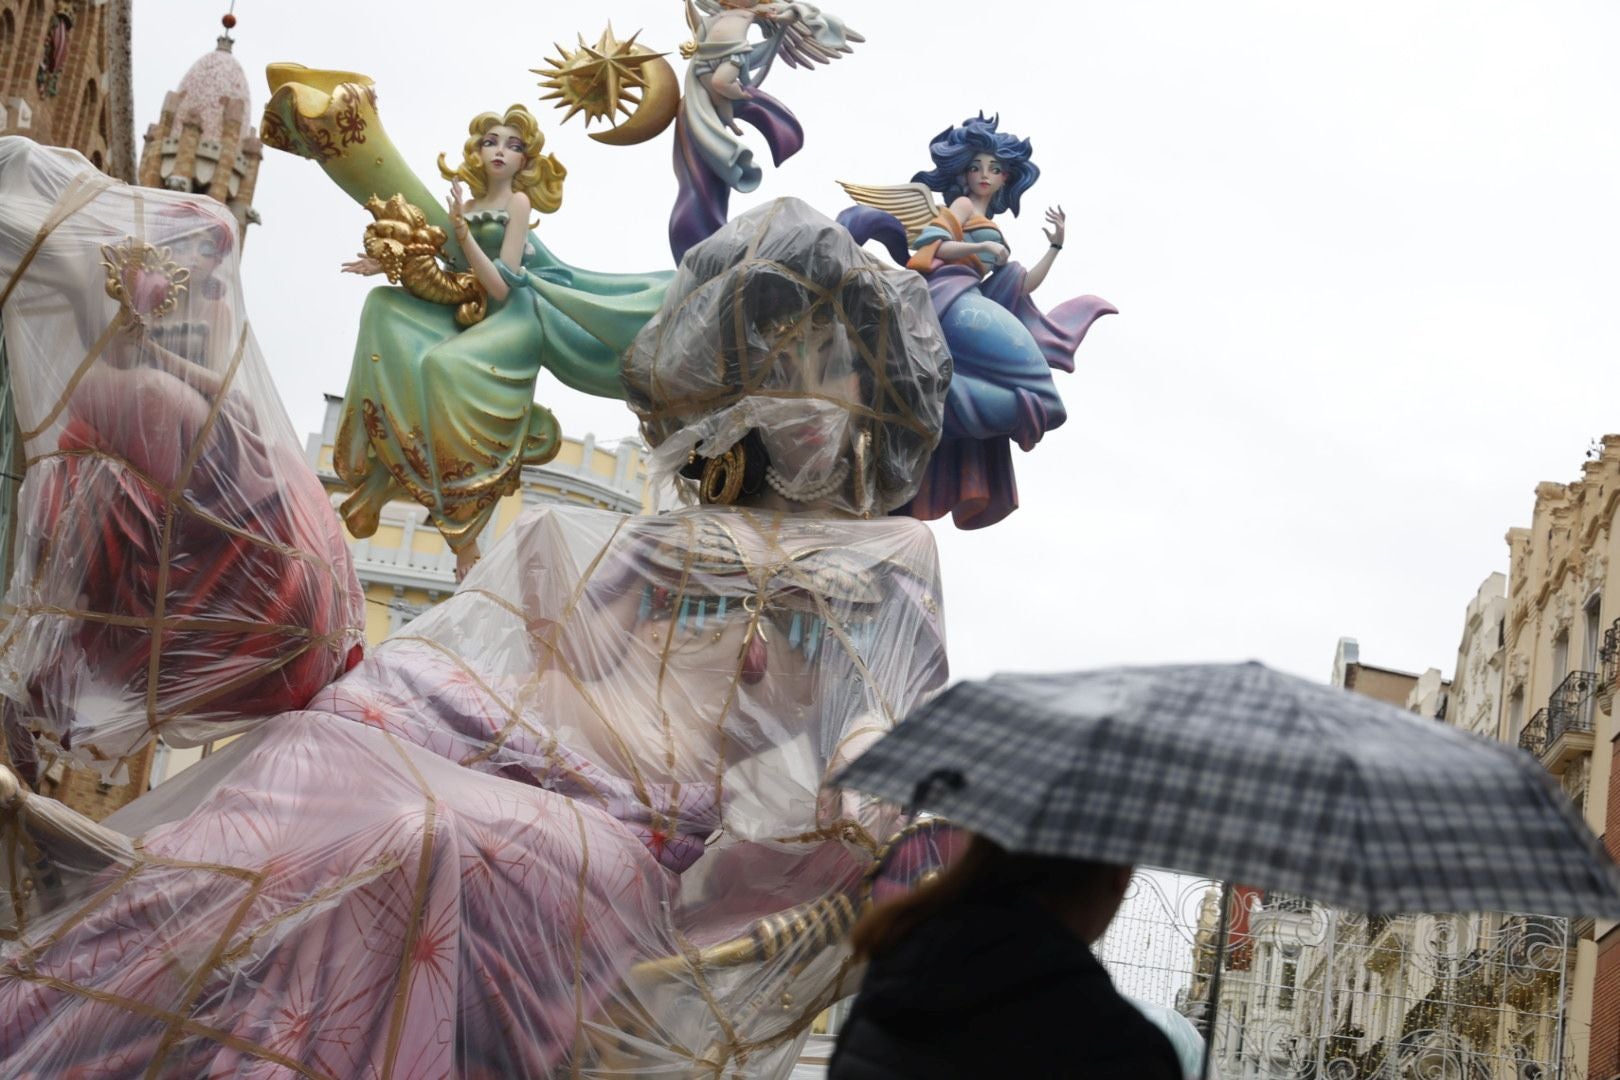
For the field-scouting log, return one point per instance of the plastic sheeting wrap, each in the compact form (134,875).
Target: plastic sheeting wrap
(779,323)
(176,567)
(570,822)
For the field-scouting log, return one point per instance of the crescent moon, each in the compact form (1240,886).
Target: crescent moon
(660,99)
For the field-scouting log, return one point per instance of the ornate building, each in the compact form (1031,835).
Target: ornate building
(1476,685)
(202,141)
(1309,991)
(65,77)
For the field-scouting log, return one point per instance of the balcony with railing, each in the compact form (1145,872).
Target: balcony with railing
(1534,736)
(1610,665)
(1570,713)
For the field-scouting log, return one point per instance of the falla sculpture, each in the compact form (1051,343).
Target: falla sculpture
(440,403)
(726,66)
(1004,348)
(574,820)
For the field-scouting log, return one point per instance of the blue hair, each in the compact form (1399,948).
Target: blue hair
(954,148)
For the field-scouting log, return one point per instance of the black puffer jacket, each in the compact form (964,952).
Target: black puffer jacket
(996,987)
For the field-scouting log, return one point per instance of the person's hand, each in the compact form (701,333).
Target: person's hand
(1057,219)
(364,265)
(996,250)
(457,207)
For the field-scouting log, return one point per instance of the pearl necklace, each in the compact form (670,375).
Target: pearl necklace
(807,494)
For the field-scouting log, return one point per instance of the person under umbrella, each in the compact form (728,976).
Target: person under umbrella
(988,971)
(1242,774)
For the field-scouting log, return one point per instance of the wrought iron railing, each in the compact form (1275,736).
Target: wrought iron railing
(1281,901)
(1534,736)
(1609,655)
(1570,707)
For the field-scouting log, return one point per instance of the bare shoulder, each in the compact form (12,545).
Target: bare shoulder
(962,207)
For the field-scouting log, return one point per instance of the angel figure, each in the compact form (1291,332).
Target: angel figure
(722,88)
(440,404)
(1003,347)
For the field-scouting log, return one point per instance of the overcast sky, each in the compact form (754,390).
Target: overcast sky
(1365,258)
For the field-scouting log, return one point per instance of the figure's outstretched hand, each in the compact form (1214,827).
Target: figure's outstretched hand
(457,208)
(1057,219)
(363,265)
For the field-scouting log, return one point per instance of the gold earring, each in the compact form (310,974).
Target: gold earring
(723,477)
(863,468)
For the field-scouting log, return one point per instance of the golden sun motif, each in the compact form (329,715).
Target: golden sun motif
(608,78)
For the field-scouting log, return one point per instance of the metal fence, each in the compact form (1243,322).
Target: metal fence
(1310,993)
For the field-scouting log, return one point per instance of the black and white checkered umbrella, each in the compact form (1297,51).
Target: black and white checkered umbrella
(1239,773)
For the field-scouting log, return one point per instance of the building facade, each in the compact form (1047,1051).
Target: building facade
(1384,684)
(65,78)
(1310,991)
(1557,695)
(1476,683)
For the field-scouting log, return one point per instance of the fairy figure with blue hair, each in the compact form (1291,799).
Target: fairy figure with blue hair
(1003,347)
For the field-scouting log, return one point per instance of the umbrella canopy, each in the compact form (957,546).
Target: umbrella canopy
(1239,773)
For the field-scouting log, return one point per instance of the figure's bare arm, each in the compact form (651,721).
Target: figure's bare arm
(482,266)
(1057,221)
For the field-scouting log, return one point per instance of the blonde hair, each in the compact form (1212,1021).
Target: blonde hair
(542,175)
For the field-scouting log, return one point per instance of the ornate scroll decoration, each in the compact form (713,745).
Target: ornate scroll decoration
(146,281)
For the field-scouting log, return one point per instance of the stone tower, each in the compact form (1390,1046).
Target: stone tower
(202,142)
(65,77)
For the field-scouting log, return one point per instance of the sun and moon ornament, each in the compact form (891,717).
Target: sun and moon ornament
(608,78)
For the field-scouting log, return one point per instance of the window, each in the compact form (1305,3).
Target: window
(1593,637)
(30,43)
(1290,975)
(8,45)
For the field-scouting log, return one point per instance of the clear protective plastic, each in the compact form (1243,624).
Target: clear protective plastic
(571,822)
(780,324)
(175,566)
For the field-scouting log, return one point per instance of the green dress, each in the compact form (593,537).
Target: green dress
(447,415)
(443,414)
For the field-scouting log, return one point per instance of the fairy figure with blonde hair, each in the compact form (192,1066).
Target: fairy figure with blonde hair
(440,403)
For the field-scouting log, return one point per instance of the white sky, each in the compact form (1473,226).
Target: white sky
(1365,257)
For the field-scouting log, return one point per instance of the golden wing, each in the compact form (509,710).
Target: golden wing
(912,203)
